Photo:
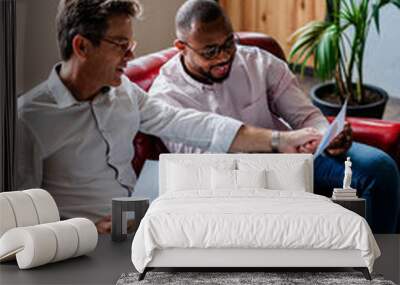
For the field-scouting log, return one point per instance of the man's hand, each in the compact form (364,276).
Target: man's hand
(304,140)
(342,142)
(253,139)
(310,147)
(103,225)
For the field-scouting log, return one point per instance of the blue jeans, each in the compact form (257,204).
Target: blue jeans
(376,178)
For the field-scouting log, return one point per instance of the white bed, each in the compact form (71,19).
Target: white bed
(225,210)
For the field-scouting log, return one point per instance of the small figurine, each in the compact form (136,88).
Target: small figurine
(347,174)
(345,193)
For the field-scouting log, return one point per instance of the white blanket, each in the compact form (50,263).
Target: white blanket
(250,219)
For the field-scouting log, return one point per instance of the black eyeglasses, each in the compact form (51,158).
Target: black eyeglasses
(124,47)
(211,52)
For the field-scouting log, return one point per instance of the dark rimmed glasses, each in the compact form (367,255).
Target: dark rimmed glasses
(212,52)
(124,47)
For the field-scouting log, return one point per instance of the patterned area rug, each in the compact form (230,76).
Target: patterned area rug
(244,278)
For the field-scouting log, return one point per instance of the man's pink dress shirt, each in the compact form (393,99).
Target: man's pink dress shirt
(260,91)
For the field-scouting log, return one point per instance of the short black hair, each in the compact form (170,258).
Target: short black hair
(88,18)
(191,11)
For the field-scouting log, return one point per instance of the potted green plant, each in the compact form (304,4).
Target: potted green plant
(337,45)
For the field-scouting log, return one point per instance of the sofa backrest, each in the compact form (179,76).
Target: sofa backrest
(283,171)
(145,69)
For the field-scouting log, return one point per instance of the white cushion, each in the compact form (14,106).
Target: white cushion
(226,179)
(288,174)
(295,179)
(87,233)
(40,244)
(26,208)
(223,179)
(183,178)
(7,218)
(185,175)
(23,208)
(45,205)
(67,239)
(283,163)
(251,178)
(32,246)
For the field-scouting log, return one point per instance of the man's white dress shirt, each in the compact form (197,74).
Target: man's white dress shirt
(81,151)
(260,91)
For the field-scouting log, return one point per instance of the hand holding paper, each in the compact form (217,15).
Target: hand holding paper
(334,129)
(341,144)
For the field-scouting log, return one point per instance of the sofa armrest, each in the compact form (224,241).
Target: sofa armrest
(382,134)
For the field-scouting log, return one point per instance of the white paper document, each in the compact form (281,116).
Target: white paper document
(333,130)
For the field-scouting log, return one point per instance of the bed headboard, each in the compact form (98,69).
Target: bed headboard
(301,163)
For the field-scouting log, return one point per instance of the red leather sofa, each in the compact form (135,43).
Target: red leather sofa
(143,70)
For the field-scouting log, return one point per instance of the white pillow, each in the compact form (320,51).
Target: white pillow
(237,179)
(185,175)
(281,174)
(293,182)
(223,179)
(251,178)
(183,178)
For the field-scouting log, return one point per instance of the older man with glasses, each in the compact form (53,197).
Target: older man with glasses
(212,73)
(76,128)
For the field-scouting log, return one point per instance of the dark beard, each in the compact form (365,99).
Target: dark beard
(205,76)
(211,78)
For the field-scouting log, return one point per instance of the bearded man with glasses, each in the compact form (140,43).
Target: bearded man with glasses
(76,129)
(218,72)
(213,73)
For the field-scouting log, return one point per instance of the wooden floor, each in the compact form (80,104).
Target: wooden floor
(392,111)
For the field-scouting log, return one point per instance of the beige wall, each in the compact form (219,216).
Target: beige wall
(36,40)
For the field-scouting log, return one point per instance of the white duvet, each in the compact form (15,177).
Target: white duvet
(250,219)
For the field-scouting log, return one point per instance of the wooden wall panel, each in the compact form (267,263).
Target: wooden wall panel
(276,18)
(250,20)
(234,9)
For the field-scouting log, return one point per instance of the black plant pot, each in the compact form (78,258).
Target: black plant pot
(372,110)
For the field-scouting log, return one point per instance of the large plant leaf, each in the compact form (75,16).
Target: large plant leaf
(326,53)
(318,38)
(352,13)
(346,12)
(303,42)
(376,7)
(332,47)
(306,38)
(363,19)
(396,3)
(375,15)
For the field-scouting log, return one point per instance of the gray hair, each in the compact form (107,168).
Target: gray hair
(89,19)
(191,11)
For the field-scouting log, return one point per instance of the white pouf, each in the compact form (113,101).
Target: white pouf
(40,244)
(31,230)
